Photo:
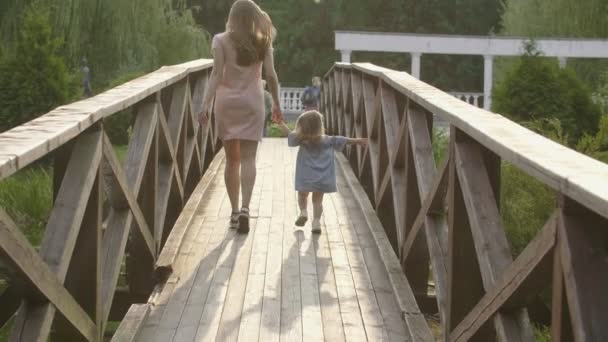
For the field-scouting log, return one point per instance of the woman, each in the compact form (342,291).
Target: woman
(236,83)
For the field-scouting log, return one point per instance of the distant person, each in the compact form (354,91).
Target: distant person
(86,78)
(315,164)
(236,84)
(267,107)
(311,97)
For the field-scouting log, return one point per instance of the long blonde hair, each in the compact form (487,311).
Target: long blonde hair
(251,30)
(309,127)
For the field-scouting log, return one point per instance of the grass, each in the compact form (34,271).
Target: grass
(27,198)
(121,152)
(526,204)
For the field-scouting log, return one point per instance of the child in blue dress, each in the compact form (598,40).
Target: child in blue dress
(315,165)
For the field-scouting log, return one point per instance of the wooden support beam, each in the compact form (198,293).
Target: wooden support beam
(491,245)
(132,324)
(561,328)
(119,223)
(435,228)
(584,252)
(34,319)
(83,279)
(421,169)
(465,286)
(42,286)
(139,262)
(515,285)
(120,182)
(390,130)
(9,302)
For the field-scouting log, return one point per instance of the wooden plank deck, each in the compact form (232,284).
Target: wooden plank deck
(279,282)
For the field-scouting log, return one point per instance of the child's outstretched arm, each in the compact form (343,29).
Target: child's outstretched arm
(357,141)
(284,128)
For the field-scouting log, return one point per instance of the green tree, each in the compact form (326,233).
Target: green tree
(560,18)
(35,78)
(305,42)
(535,88)
(116,36)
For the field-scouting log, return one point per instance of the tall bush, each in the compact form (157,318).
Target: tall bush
(34,79)
(535,88)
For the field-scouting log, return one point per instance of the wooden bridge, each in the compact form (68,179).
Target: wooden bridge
(159,257)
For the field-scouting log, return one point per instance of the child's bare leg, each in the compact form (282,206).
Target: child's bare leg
(317,207)
(303,204)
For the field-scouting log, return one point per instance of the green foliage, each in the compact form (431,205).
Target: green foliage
(35,78)
(600,96)
(526,204)
(305,42)
(542,334)
(117,126)
(27,197)
(275,132)
(440,144)
(116,36)
(596,145)
(560,18)
(537,89)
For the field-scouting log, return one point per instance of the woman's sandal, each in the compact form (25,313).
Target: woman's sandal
(244,221)
(234,220)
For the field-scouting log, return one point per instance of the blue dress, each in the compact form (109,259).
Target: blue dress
(315,165)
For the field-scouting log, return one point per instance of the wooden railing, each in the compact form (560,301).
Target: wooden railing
(69,285)
(446,220)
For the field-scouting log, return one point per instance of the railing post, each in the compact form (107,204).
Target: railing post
(84,274)
(345,56)
(488,66)
(416,64)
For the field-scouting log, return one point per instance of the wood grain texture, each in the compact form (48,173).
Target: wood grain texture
(19,147)
(565,170)
(42,283)
(132,323)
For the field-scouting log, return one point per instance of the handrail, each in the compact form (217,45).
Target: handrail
(77,267)
(572,173)
(476,279)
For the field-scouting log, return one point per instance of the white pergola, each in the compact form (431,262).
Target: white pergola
(488,47)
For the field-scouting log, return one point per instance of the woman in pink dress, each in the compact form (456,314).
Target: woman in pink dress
(236,83)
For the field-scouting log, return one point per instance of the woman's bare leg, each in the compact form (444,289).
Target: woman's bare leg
(232,172)
(249,151)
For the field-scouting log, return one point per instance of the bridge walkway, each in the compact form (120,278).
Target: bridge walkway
(279,282)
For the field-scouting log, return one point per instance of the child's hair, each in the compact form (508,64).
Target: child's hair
(251,30)
(309,127)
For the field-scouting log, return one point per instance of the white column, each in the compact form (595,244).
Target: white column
(416,64)
(562,61)
(488,65)
(345,56)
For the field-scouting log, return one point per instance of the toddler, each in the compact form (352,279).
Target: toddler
(315,165)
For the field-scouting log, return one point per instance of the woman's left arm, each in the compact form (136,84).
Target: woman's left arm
(217,74)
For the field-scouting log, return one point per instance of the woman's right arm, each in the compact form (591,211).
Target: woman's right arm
(217,74)
(273,85)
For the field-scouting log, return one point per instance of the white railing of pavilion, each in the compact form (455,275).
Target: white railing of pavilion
(290,100)
(476,99)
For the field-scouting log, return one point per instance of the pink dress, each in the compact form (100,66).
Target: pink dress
(239,100)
